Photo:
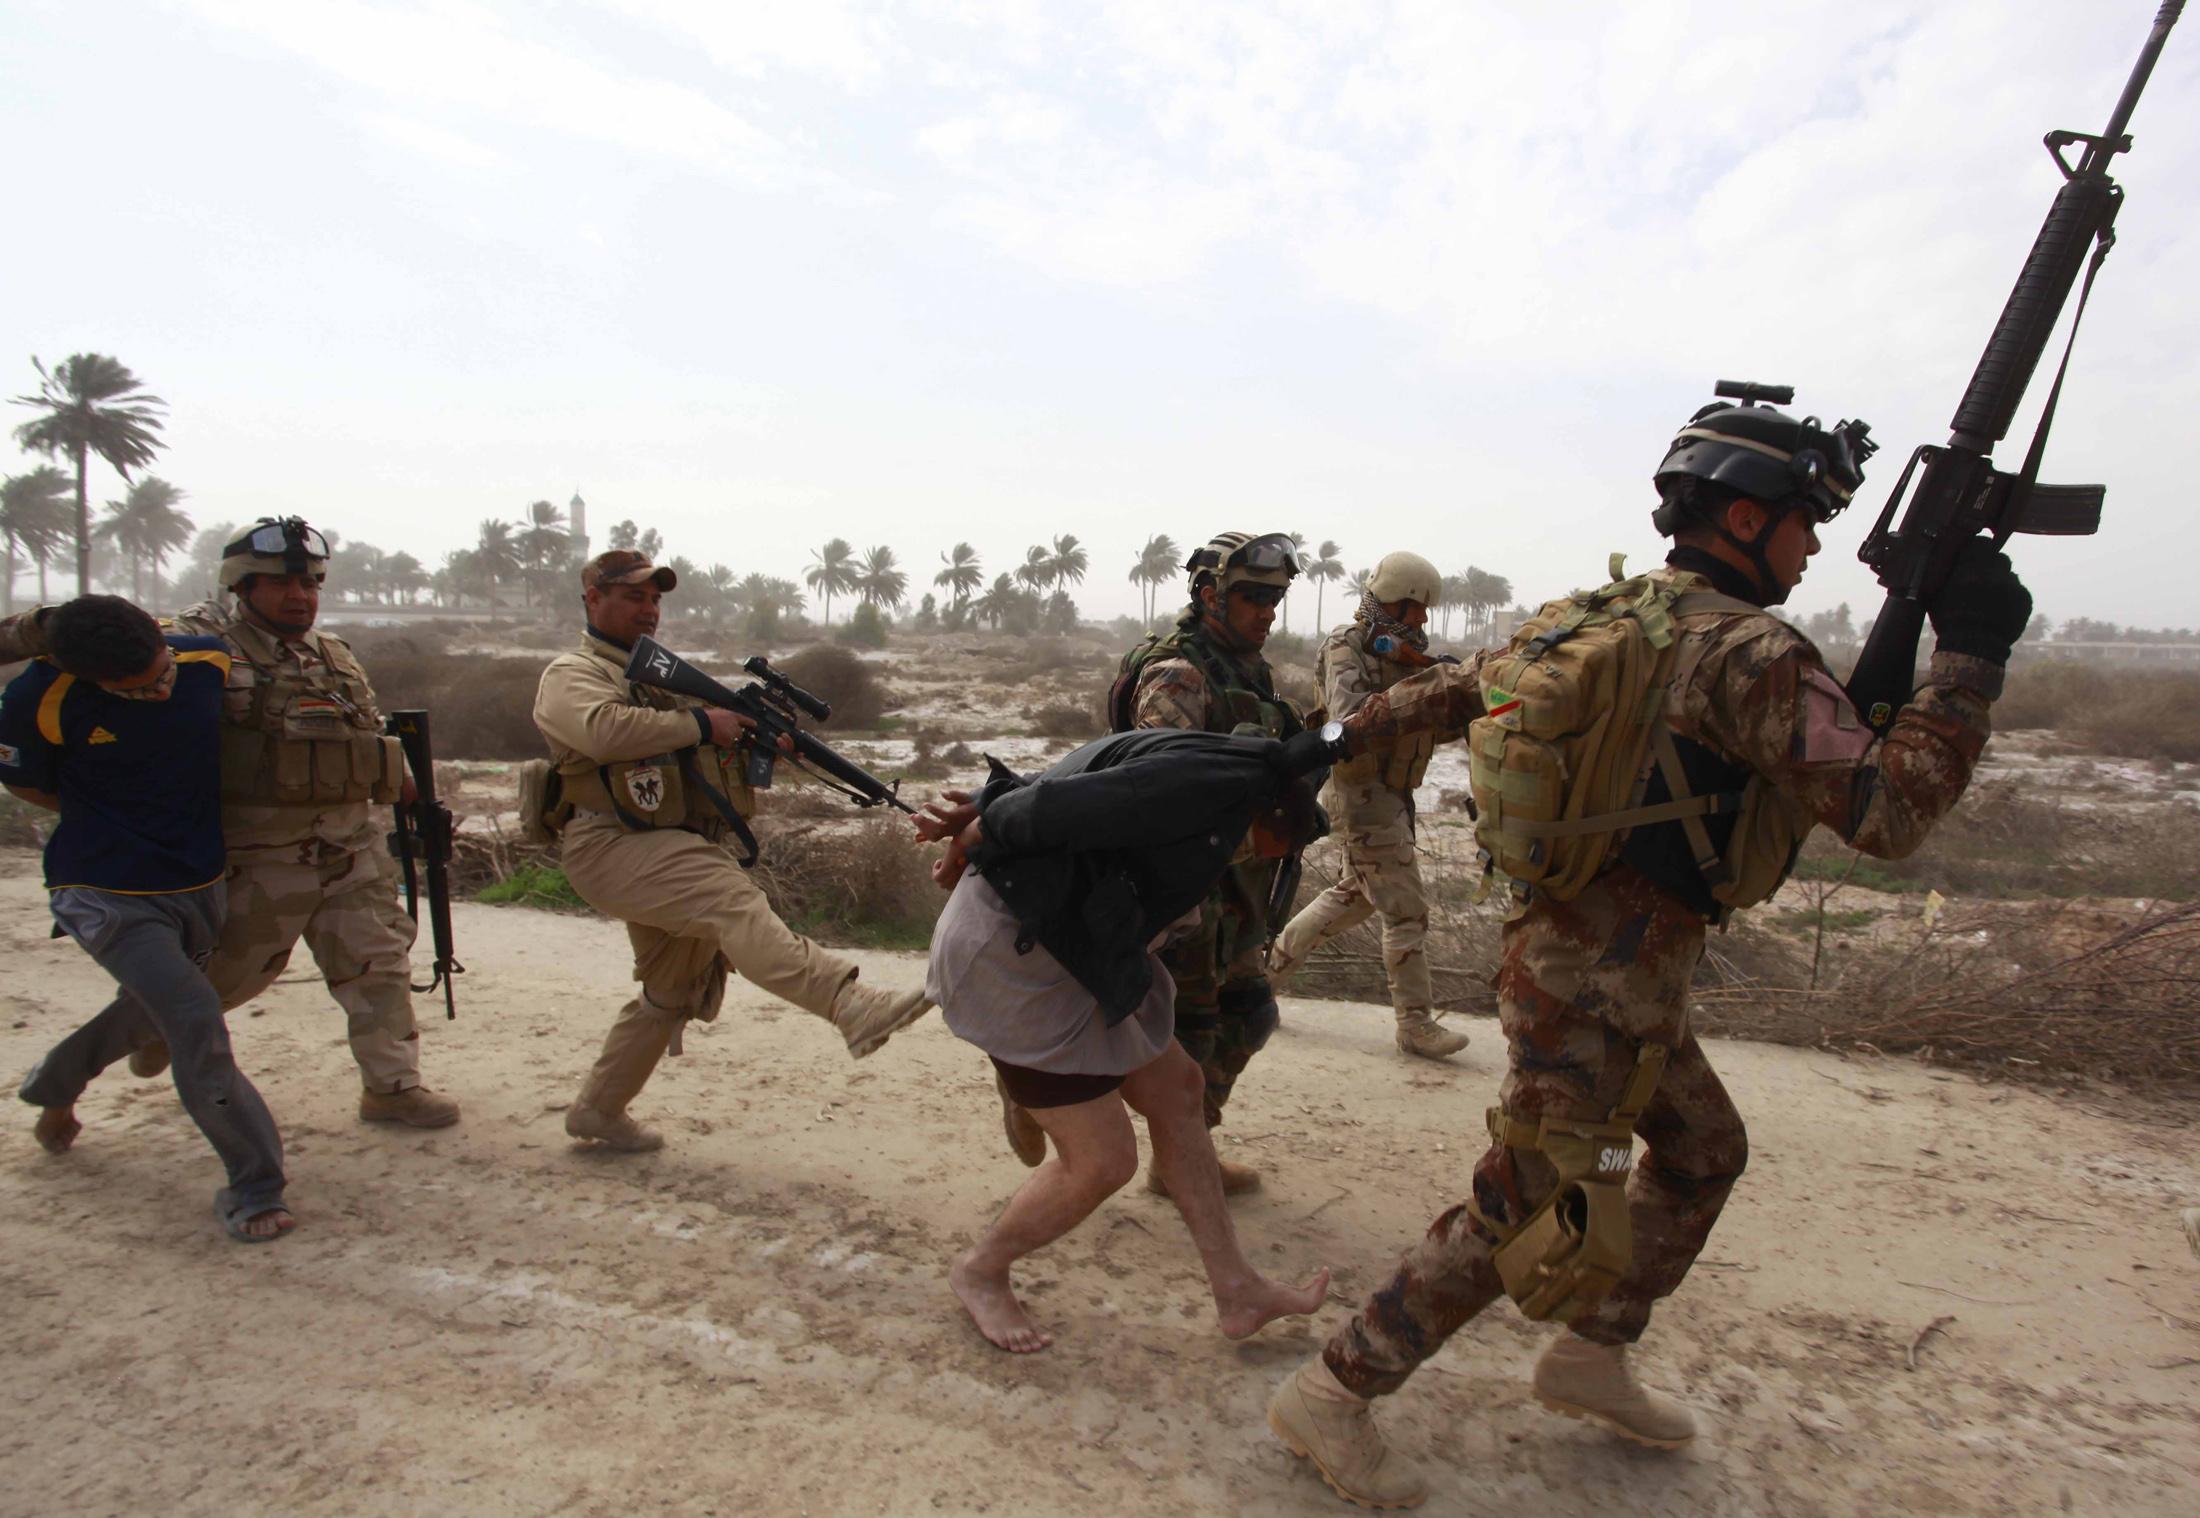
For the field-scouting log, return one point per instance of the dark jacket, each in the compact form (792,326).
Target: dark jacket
(1121,838)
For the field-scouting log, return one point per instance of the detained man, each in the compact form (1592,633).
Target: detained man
(1064,889)
(117,730)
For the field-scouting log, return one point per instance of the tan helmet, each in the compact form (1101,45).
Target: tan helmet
(1406,577)
(274,546)
(1243,559)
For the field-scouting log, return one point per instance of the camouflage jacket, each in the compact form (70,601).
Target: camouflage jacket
(1761,697)
(1348,671)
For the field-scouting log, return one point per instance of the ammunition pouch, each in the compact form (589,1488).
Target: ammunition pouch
(695,788)
(1566,1256)
(543,807)
(294,738)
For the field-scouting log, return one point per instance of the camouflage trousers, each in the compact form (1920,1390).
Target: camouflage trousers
(1582,987)
(1381,874)
(1225,1011)
(691,914)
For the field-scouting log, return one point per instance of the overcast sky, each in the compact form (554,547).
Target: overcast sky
(1436,276)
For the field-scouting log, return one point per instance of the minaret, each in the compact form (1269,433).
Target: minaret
(576,512)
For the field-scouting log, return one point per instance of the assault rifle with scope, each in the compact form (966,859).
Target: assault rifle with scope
(1960,495)
(776,705)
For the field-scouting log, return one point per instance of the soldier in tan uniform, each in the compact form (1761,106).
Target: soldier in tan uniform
(303,764)
(1371,803)
(1760,745)
(653,786)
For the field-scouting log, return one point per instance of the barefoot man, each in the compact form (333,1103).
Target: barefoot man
(1046,959)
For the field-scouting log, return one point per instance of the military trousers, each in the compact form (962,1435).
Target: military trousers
(1225,1011)
(691,914)
(1583,985)
(1381,875)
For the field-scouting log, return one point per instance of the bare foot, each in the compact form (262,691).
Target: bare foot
(271,1224)
(1244,1313)
(994,1308)
(56,1129)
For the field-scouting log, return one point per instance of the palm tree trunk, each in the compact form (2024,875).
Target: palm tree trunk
(10,597)
(83,527)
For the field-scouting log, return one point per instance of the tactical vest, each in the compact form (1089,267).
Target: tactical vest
(298,737)
(1399,764)
(1235,699)
(695,788)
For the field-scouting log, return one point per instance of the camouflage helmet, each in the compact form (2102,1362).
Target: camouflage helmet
(1240,558)
(1406,577)
(1763,454)
(275,546)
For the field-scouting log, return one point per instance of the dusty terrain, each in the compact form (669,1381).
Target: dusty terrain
(486,1320)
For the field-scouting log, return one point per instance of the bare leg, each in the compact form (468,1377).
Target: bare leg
(1095,1155)
(56,1129)
(1167,1093)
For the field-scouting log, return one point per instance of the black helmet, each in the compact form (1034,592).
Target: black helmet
(1766,455)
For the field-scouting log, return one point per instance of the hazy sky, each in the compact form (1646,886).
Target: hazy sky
(1435,276)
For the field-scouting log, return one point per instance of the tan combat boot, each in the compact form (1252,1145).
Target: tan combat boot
(1583,1379)
(613,1130)
(1236,1179)
(415,1107)
(867,1015)
(1026,1139)
(1315,1416)
(1429,1039)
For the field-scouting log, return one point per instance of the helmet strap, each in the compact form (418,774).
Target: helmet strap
(1770,591)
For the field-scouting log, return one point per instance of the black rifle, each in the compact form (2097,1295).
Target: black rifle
(422,840)
(775,704)
(1960,494)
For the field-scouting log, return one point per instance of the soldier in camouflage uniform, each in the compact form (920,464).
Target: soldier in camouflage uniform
(303,763)
(1371,801)
(1209,676)
(1587,985)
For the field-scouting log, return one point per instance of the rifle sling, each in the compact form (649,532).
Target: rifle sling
(2020,495)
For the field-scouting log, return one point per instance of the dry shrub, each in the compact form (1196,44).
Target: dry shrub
(1063,720)
(864,881)
(842,679)
(2130,711)
(479,707)
(2059,993)
(1047,656)
(437,635)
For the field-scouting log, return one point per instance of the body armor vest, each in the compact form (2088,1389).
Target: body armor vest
(293,736)
(695,788)
(1236,698)
(1398,764)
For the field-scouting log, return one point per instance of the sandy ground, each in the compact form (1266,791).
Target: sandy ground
(754,1320)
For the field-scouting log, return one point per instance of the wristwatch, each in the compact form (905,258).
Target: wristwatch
(1332,734)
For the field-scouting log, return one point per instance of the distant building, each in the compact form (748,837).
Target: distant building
(576,511)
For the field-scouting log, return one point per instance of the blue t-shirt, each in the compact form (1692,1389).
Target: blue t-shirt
(139,781)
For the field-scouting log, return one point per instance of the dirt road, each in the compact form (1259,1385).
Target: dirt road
(485,1320)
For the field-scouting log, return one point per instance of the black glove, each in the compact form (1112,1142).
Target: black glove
(1303,754)
(1982,609)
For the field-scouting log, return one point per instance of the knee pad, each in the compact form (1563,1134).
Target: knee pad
(1251,1006)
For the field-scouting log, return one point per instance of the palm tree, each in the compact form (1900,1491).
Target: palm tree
(542,542)
(495,557)
(832,572)
(881,584)
(1037,570)
(1155,567)
(623,534)
(724,586)
(365,570)
(1327,566)
(146,526)
(93,404)
(200,579)
(962,574)
(1068,562)
(34,513)
(405,576)
(995,603)
(1298,541)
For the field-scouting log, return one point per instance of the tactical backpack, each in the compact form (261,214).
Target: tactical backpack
(1574,721)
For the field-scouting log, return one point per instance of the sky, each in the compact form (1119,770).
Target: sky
(1432,276)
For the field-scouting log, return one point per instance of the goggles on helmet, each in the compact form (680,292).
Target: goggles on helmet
(288,538)
(1269,551)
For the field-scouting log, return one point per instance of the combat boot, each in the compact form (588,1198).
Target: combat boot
(1315,1416)
(149,1059)
(1236,1179)
(613,1130)
(415,1107)
(1429,1039)
(867,1015)
(1583,1379)
(1026,1139)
